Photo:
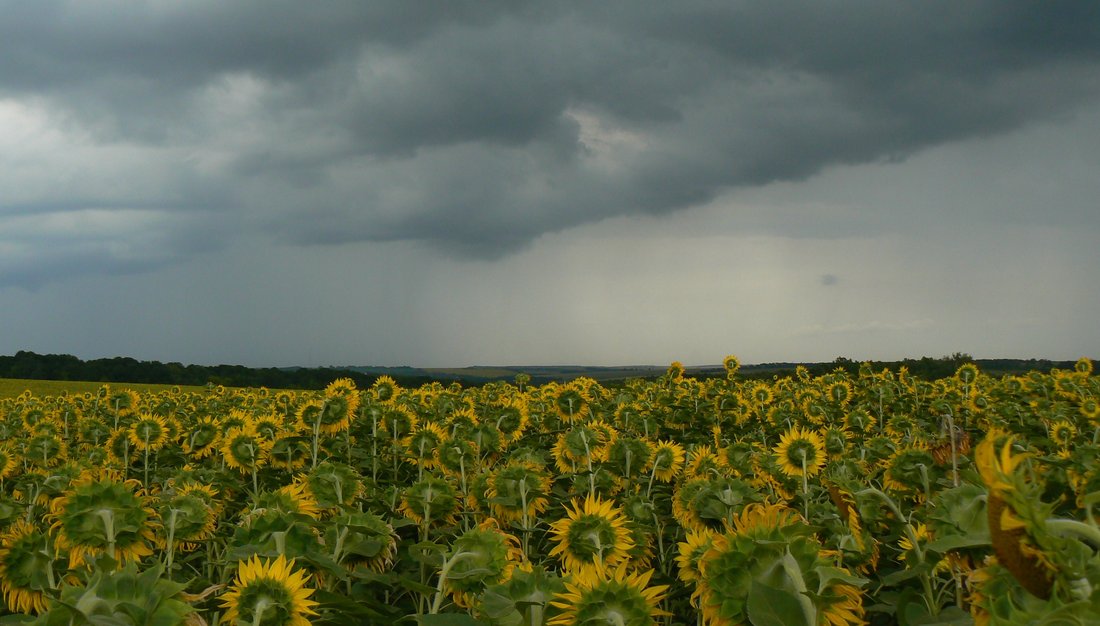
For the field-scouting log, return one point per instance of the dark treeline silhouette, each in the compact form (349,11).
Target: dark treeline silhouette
(29,365)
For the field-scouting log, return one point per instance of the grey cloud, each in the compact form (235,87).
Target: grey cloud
(478,127)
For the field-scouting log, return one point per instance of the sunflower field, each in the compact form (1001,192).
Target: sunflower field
(873,498)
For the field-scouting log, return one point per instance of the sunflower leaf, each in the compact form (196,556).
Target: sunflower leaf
(772,606)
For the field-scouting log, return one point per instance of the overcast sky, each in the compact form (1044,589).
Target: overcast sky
(453,183)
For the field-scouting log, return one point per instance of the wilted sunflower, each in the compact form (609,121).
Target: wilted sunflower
(613,596)
(103,514)
(268,592)
(24,560)
(593,534)
(800,452)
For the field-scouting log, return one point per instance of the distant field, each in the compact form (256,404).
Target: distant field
(11,387)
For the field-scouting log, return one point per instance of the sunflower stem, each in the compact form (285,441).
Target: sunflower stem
(448,564)
(1081,530)
(171,541)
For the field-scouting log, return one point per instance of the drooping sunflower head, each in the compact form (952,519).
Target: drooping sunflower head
(593,534)
(571,403)
(800,452)
(268,592)
(911,471)
(423,441)
(612,596)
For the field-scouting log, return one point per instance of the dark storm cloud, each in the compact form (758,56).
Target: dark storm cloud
(479,126)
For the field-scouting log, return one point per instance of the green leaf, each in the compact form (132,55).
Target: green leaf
(772,606)
(449,619)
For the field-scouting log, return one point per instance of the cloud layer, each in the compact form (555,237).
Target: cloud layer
(142,135)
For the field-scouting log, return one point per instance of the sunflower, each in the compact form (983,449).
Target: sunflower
(1062,433)
(45,450)
(188,519)
(8,463)
(479,557)
(24,560)
(268,592)
(517,489)
(593,534)
(512,419)
(616,597)
(385,389)
(702,461)
(571,403)
(363,539)
(839,392)
(667,461)
(333,485)
(429,501)
(695,544)
(102,513)
(292,499)
(423,442)
(1083,366)
(629,456)
(800,452)
(731,364)
(244,449)
(1013,544)
(202,438)
(762,538)
(148,432)
(340,404)
(1090,408)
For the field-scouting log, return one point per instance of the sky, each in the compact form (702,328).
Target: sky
(448,183)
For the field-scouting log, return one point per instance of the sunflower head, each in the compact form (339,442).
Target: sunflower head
(612,596)
(103,514)
(24,559)
(593,534)
(801,452)
(268,592)
(479,557)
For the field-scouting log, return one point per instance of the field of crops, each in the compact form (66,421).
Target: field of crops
(838,499)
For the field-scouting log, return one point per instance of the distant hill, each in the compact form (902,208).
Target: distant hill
(28,365)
